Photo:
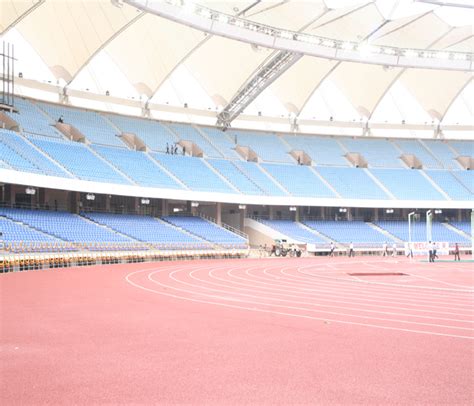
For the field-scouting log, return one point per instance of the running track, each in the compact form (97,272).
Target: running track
(286,331)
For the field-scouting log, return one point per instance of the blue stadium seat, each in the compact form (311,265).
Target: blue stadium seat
(378,152)
(260,178)
(149,230)
(299,180)
(269,147)
(193,172)
(357,232)
(79,160)
(450,184)
(414,147)
(151,132)
(222,141)
(188,133)
(439,231)
(235,176)
(407,184)
(65,226)
(207,230)
(32,119)
(322,150)
(352,183)
(21,155)
(92,125)
(138,166)
(294,230)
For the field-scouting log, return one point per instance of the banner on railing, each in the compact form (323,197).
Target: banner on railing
(423,248)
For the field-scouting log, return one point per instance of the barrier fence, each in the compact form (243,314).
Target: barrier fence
(39,261)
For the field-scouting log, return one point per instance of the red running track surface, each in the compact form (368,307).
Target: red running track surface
(283,331)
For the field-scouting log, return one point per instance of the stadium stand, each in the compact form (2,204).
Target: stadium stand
(21,155)
(148,229)
(151,132)
(294,230)
(64,226)
(407,184)
(32,119)
(377,152)
(91,124)
(235,176)
(10,156)
(358,232)
(439,231)
(466,178)
(188,133)
(322,150)
(443,153)
(193,172)
(269,147)
(254,172)
(352,183)
(299,180)
(221,141)
(207,230)
(15,231)
(416,148)
(78,159)
(138,166)
(450,184)
(464,226)
(463,148)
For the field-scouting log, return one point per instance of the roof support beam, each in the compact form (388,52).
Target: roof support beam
(22,16)
(265,76)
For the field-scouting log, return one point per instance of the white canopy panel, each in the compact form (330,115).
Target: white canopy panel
(92,44)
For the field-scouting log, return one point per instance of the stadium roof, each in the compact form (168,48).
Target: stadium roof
(111,46)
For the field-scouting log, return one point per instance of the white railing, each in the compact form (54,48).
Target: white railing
(226,226)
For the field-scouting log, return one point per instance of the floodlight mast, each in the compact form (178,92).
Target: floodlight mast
(429,222)
(409,227)
(472,233)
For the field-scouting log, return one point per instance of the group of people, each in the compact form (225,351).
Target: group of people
(385,252)
(173,149)
(409,251)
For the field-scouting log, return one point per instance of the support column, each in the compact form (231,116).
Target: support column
(243,214)
(459,213)
(376,214)
(164,207)
(271,212)
(218,213)
(297,214)
(107,203)
(73,202)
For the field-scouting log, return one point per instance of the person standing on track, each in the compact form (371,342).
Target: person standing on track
(456,252)
(331,249)
(385,249)
(430,252)
(394,249)
(433,252)
(351,250)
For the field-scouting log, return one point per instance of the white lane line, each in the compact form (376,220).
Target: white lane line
(431,333)
(442,282)
(398,291)
(377,298)
(367,263)
(335,283)
(316,293)
(387,287)
(432,288)
(229,294)
(273,291)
